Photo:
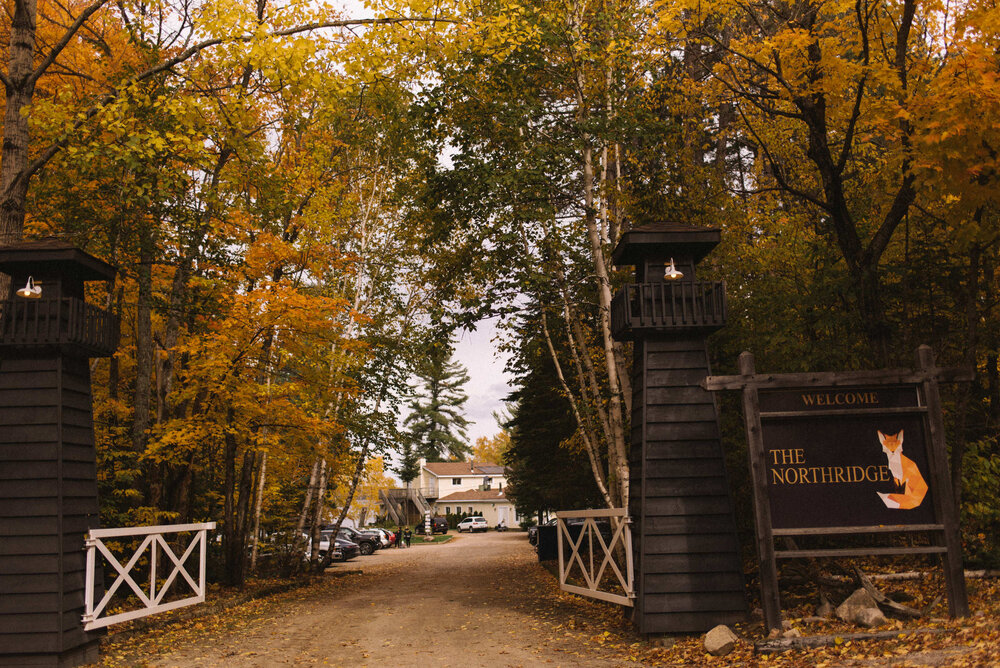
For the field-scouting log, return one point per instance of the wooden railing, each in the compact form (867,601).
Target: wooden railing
(597,553)
(151,597)
(57,322)
(695,305)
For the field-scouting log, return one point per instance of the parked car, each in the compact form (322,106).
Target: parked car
(533,530)
(344,550)
(573,526)
(380,533)
(472,524)
(367,543)
(438,525)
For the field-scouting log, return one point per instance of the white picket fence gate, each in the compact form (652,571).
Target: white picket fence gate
(151,597)
(590,556)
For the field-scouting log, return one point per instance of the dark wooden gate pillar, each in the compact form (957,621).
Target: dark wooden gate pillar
(688,572)
(48,480)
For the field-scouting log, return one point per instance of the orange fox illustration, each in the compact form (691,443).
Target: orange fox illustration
(906,473)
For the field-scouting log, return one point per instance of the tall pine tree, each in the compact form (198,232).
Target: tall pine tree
(437,422)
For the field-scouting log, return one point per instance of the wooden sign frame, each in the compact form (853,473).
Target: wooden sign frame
(925,380)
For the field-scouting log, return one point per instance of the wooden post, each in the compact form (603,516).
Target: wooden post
(944,497)
(769,596)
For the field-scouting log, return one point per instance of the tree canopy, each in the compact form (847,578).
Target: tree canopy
(305,206)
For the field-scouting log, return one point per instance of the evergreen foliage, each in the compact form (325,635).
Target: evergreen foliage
(436,421)
(546,469)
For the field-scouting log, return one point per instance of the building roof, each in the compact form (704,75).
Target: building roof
(475,495)
(55,256)
(661,240)
(455,469)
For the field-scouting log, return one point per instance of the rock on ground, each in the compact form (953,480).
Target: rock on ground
(860,608)
(720,640)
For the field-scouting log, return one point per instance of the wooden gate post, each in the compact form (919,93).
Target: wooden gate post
(687,555)
(48,478)
(769,599)
(954,573)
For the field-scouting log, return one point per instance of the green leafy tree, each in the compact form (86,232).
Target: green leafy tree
(409,467)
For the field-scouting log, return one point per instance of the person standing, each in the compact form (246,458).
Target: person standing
(398,538)
(407,534)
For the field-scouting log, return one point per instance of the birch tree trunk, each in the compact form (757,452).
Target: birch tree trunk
(617,451)
(317,517)
(258,504)
(307,503)
(618,474)
(584,429)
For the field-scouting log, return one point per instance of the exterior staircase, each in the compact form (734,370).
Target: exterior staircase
(400,504)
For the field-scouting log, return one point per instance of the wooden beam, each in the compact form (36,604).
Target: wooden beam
(838,378)
(944,499)
(778,415)
(858,552)
(770,599)
(831,531)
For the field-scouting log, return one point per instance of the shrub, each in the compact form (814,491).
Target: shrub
(980,513)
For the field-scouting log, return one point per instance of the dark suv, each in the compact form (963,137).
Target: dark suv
(438,525)
(367,542)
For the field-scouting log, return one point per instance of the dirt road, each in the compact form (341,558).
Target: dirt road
(478,600)
(483,600)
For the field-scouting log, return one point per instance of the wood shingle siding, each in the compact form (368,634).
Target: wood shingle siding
(689,571)
(48,501)
(688,568)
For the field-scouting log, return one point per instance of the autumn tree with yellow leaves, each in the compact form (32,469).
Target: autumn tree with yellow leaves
(297,211)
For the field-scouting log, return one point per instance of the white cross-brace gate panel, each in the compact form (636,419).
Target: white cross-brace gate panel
(582,553)
(153,601)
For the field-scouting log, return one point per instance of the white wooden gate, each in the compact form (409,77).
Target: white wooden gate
(588,557)
(152,601)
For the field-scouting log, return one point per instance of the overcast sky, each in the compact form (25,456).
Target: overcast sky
(488,383)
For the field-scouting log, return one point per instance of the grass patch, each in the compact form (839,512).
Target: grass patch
(438,538)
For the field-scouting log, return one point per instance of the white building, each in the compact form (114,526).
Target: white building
(467,487)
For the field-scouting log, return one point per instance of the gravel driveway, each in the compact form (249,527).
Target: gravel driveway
(478,600)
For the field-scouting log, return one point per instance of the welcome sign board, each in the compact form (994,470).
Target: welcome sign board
(845,454)
(846,457)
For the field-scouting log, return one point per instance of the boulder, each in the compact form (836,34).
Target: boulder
(720,640)
(871,617)
(860,608)
(825,608)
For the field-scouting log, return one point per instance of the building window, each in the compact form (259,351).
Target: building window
(447,510)
(456,481)
(470,510)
